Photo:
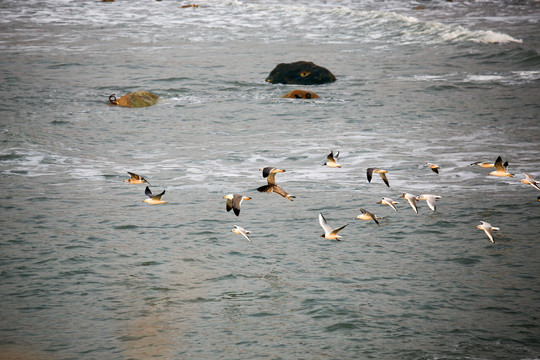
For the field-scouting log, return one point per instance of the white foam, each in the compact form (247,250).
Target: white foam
(484,78)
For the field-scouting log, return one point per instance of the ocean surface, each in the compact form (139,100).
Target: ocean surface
(90,271)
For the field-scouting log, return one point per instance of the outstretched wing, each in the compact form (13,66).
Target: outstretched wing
(148,192)
(499,164)
(383,176)
(158,196)
(369,173)
(335,231)
(322,221)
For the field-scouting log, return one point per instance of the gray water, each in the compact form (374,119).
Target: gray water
(89,271)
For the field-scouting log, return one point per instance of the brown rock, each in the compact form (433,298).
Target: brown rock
(135,99)
(301,94)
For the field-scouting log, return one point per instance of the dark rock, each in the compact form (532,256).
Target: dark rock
(301,73)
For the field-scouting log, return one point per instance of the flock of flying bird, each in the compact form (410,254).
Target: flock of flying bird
(234,201)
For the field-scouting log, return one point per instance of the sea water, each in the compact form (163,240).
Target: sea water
(89,271)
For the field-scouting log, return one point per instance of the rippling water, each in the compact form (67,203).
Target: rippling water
(89,271)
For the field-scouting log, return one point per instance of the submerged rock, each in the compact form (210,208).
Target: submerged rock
(301,94)
(300,72)
(134,99)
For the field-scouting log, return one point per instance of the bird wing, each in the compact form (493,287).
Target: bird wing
(134,176)
(430,200)
(245,233)
(374,217)
(411,201)
(335,231)
(148,192)
(488,233)
(228,205)
(158,196)
(322,221)
(499,164)
(236,201)
(266,171)
(383,176)
(266,188)
(369,173)
(330,157)
(278,190)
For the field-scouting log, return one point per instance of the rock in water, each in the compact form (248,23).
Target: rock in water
(300,72)
(135,99)
(301,94)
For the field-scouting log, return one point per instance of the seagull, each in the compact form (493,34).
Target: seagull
(234,201)
(501,169)
(366,215)
(381,172)
(411,199)
(389,202)
(153,199)
(329,233)
(433,167)
(483,164)
(270,174)
(332,160)
(529,180)
(240,230)
(430,200)
(135,179)
(487,229)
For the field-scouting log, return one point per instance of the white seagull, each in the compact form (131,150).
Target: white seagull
(329,233)
(153,199)
(430,200)
(332,160)
(487,229)
(501,169)
(366,215)
(411,199)
(240,230)
(389,202)
(529,180)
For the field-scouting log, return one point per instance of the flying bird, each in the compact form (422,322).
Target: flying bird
(501,169)
(430,200)
(270,174)
(381,172)
(389,202)
(487,229)
(135,179)
(366,215)
(529,180)
(234,201)
(483,164)
(240,230)
(329,233)
(332,160)
(411,199)
(153,199)
(433,167)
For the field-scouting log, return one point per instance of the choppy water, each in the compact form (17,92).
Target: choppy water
(89,271)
